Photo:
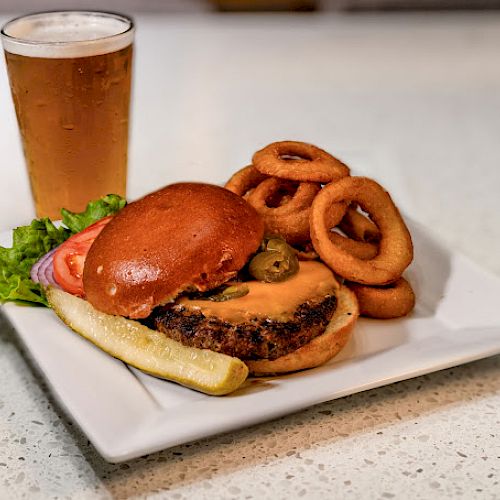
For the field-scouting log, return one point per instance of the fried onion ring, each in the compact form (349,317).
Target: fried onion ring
(290,220)
(364,250)
(302,196)
(358,227)
(395,247)
(244,180)
(384,302)
(299,161)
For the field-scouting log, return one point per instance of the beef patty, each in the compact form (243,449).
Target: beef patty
(257,338)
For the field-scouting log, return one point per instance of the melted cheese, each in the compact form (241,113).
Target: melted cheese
(275,301)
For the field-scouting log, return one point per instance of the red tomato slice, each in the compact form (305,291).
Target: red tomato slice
(70,257)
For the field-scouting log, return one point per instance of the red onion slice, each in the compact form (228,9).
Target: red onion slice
(47,272)
(43,270)
(35,268)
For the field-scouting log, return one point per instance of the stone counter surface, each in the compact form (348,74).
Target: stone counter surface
(412,100)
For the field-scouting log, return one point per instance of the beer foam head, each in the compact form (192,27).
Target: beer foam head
(67,34)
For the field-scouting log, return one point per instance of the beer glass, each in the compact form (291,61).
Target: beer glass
(70,75)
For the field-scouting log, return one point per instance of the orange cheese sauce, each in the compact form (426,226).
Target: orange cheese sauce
(275,301)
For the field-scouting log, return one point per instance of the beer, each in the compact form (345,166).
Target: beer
(72,107)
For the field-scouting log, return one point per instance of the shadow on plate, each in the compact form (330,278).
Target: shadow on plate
(429,271)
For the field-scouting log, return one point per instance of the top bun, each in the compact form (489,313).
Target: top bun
(185,236)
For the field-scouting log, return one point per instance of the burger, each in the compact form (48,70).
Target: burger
(193,261)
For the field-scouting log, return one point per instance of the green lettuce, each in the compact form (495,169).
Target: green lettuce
(31,242)
(107,205)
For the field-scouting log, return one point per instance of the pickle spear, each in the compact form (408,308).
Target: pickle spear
(148,350)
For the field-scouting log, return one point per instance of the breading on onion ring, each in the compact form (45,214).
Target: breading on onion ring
(294,228)
(291,219)
(272,188)
(358,227)
(364,250)
(384,302)
(395,246)
(299,161)
(244,180)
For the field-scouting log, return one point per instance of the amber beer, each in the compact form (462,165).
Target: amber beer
(70,82)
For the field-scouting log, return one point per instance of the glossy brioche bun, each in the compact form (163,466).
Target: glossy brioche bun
(185,236)
(321,348)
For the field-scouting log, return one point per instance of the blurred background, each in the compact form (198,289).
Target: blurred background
(245,5)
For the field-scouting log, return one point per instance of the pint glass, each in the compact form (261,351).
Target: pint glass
(70,75)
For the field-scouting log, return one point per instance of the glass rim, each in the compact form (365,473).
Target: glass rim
(130,27)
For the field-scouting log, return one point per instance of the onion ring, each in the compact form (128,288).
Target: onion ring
(358,227)
(384,302)
(290,220)
(363,250)
(395,247)
(244,180)
(306,252)
(303,196)
(299,161)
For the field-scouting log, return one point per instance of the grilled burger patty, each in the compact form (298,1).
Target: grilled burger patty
(256,339)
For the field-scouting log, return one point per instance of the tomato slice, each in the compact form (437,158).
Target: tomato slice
(69,258)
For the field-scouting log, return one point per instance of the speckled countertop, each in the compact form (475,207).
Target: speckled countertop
(435,436)
(412,100)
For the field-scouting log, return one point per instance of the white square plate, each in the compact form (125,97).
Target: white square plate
(126,414)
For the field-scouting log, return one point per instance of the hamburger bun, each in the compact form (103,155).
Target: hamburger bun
(186,236)
(321,348)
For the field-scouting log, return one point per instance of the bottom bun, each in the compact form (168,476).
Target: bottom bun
(321,348)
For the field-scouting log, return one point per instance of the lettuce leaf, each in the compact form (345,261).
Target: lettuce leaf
(107,205)
(31,242)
